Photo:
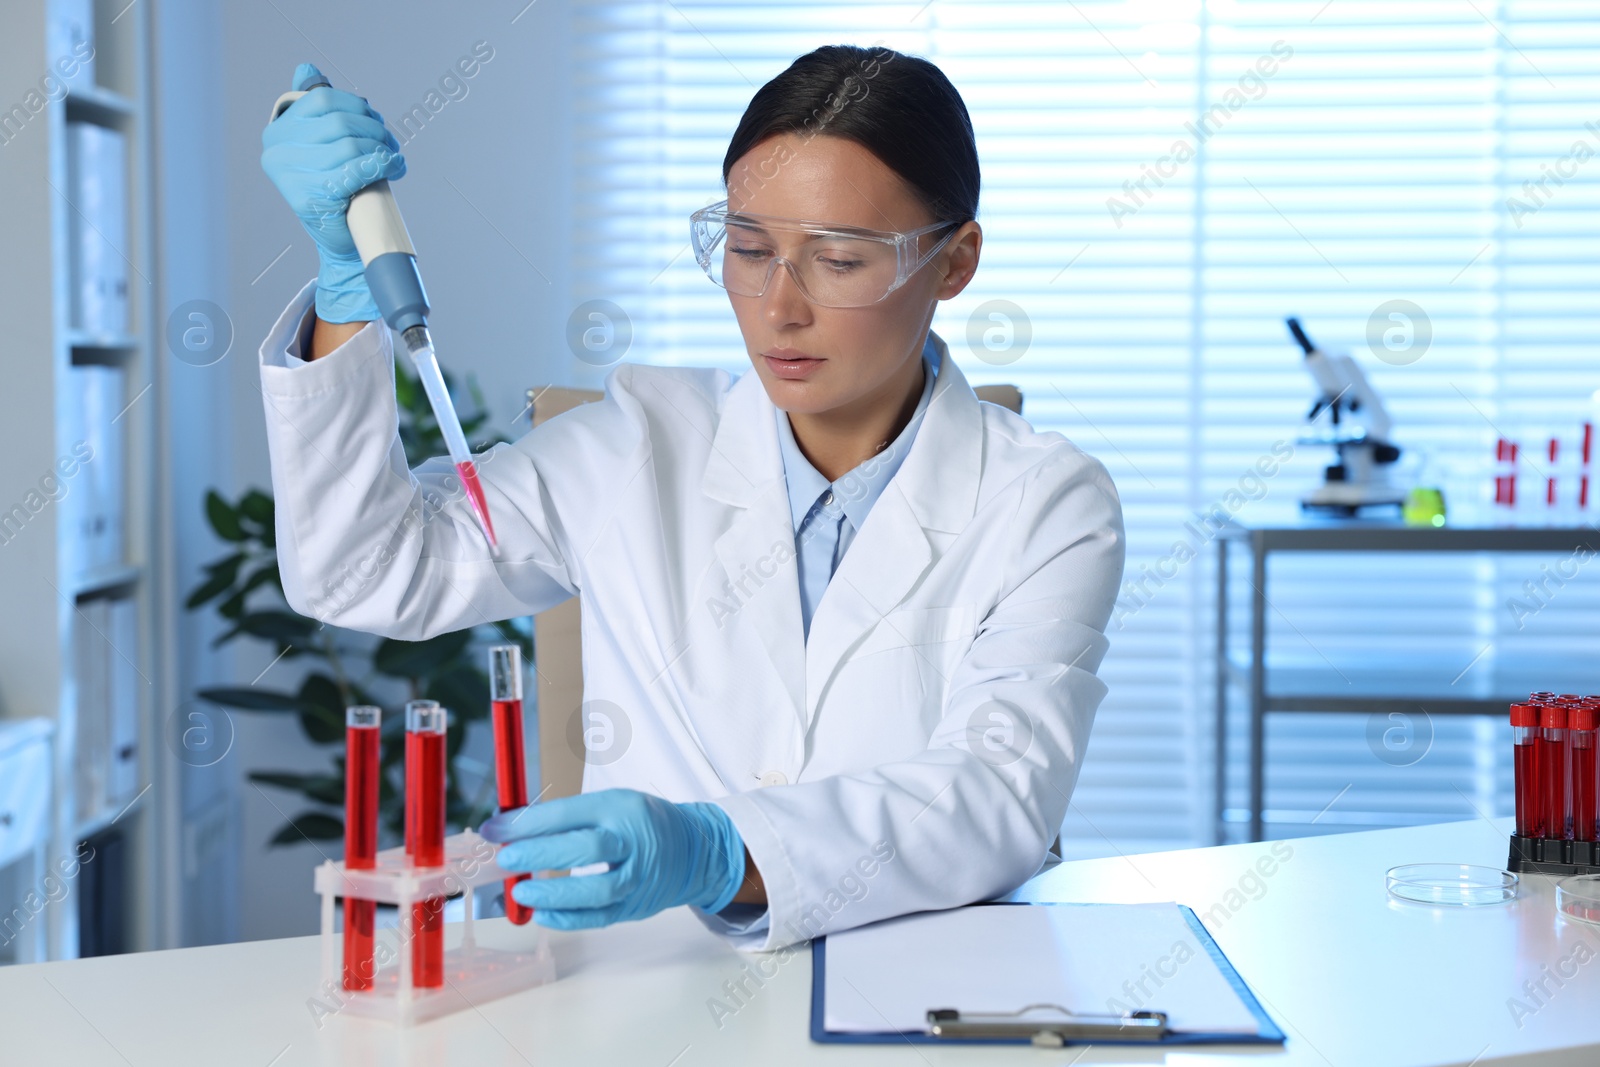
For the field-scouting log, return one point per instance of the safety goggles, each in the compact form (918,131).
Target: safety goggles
(833,266)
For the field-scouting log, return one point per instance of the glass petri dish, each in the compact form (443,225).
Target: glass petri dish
(1455,884)
(1578,897)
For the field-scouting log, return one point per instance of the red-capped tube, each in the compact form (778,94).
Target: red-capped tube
(1581,728)
(425,818)
(362,725)
(510,764)
(1525,767)
(1554,758)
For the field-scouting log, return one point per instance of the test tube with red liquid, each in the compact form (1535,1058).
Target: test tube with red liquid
(361,771)
(1526,767)
(1550,481)
(510,764)
(425,817)
(1554,758)
(1581,726)
(1585,454)
(1505,480)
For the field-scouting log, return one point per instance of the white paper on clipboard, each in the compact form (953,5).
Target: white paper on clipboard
(1084,957)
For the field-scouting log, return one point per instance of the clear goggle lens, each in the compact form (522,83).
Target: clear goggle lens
(832,269)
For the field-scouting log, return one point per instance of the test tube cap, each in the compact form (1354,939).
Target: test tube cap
(425,716)
(505,672)
(1524,715)
(1584,717)
(363,715)
(1553,716)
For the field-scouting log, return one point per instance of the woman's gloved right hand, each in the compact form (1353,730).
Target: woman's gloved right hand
(325,147)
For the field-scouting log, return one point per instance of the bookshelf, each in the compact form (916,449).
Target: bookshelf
(56,598)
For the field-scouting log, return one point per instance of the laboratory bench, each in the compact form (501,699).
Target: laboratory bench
(1353,977)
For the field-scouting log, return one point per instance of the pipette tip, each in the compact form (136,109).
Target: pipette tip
(468,471)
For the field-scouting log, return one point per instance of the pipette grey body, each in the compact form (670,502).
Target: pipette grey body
(384,245)
(390,265)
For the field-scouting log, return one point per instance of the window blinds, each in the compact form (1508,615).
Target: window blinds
(1164,182)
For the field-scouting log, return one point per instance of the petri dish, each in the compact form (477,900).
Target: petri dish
(1578,897)
(1455,884)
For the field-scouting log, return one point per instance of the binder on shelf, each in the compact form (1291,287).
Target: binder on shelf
(75,39)
(123,703)
(92,732)
(93,508)
(106,731)
(1049,974)
(97,228)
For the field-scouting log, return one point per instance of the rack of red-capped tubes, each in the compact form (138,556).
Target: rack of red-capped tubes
(1558,797)
(419,966)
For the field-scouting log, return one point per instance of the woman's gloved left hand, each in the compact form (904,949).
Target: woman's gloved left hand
(661,855)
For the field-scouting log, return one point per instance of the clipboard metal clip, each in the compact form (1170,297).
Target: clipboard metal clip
(1048,1025)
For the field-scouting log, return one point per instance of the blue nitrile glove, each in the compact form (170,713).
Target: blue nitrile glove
(661,854)
(326,147)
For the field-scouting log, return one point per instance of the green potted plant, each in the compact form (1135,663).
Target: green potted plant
(348,668)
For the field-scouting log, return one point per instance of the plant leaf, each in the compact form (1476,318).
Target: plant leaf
(257,507)
(233,607)
(223,574)
(311,824)
(462,688)
(249,698)
(323,788)
(284,627)
(418,659)
(224,519)
(322,710)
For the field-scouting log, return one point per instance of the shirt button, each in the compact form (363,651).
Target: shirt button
(774,778)
(827,498)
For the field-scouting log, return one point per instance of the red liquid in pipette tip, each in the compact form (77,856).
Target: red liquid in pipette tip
(511,776)
(480,507)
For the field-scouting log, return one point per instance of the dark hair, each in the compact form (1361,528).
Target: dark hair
(900,108)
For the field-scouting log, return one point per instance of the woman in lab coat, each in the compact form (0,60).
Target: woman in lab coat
(957,568)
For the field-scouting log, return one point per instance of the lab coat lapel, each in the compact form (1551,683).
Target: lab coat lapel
(745,469)
(935,489)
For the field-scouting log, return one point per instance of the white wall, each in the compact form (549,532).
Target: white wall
(486,193)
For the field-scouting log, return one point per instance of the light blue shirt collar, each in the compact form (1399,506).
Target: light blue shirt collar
(858,489)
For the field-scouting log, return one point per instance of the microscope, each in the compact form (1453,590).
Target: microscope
(1348,416)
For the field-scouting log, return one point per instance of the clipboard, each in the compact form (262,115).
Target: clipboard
(1049,1025)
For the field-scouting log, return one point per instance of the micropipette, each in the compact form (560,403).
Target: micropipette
(390,263)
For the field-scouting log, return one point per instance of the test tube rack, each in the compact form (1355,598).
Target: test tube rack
(474,973)
(1570,796)
(1553,855)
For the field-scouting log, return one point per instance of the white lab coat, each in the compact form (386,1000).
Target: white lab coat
(917,753)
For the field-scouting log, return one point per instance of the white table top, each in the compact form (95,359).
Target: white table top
(1354,980)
